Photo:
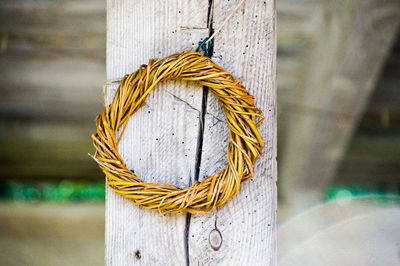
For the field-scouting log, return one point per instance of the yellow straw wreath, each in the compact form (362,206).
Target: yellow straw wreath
(244,146)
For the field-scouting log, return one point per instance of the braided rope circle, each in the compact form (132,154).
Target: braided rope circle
(244,146)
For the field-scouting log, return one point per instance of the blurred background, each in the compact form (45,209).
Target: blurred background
(338,131)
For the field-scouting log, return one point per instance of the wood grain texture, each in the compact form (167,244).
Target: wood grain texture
(73,232)
(242,232)
(161,138)
(62,152)
(343,67)
(74,25)
(49,87)
(52,60)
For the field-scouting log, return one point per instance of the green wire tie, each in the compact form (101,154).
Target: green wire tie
(205,47)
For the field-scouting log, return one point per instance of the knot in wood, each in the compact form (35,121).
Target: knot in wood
(244,146)
(215,239)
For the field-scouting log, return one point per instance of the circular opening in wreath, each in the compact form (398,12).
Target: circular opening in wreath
(160,142)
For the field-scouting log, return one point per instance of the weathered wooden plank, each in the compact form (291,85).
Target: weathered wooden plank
(44,24)
(242,232)
(372,160)
(43,86)
(72,231)
(298,28)
(343,67)
(161,138)
(63,151)
(384,107)
(52,60)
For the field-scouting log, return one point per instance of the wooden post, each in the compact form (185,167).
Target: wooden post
(163,139)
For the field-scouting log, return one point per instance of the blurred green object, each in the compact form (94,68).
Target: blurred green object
(379,194)
(61,191)
(70,190)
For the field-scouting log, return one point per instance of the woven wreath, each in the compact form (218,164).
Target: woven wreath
(244,146)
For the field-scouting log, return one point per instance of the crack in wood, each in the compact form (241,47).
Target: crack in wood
(194,108)
(183,101)
(201,132)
